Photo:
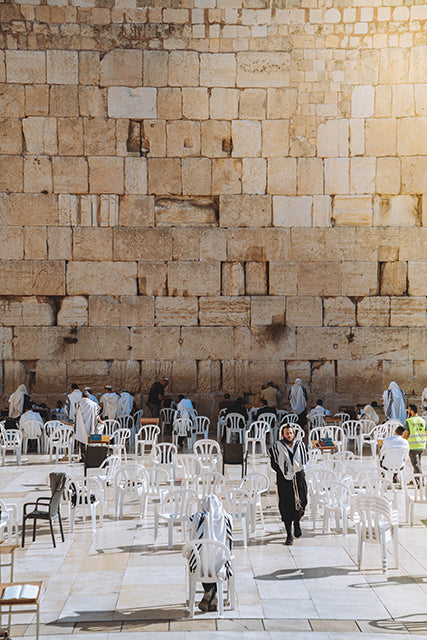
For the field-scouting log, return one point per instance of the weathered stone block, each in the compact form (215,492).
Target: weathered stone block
(380,137)
(100,137)
(246,135)
(169,104)
(396,211)
(92,244)
(333,139)
(59,240)
(245,211)
(322,211)
(136,211)
(106,174)
(155,72)
(32,209)
(226,176)
(93,102)
(183,69)
(64,101)
(156,342)
(388,175)
(362,175)
(403,100)
(310,176)
(408,312)
(275,139)
(73,312)
(319,278)
(275,341)
(41,343)
(104,278)
(224,311)
(394,65)
(352,210)
(267,310)
(142,244)
(89,67)
(337,175)
(256,278)
(185,244)
(304,311)
(36,100)
(417,343)
(127,102)
(322,343)
(283,278)
(70,175)
(11,173)
(414,175)
(291,211)
(263,69)
(135,175)
(224,104)
(10,136)
(215,343)
(152,277)
(185,212)
(359,278)
(218,70)
(373,312)
(62,67)
(12,101)
(215,134)
(176,312)
(361,377)
(380,343)
(338,312)
(232,279)
(121,67)
(253,104)
(410,134)
(281,102)
(26,67)
(70,136)
(35,243)
(254,174)
(136,311)
(37,312)
(37,174)
(164,176)
(194,278)
(282,176)
(362,101)
(195,103)
(185,374)
(417,278)
(113,343)
(50,377)
(104,311)
(12,242)
(40,135)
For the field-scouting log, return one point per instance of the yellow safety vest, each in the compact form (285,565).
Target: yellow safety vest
(417,433)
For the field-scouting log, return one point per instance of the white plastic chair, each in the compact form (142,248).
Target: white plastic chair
(235,424)
(10,440)
(255,484)
(271,420)
(415,493)
(352,429)
(176,507)
(316,420)
(337,504)
(62,440)
(342,417)
(207,563)
(201,427)
(120,440)
(109,427)
(159,482)
(207,483)
(31,430)
(9,520)
(289,418)
(182,428)
(281,414)
(237,504)
(220,424)
(209,454)
(256,433)
(127,422)
(137,418)
(47,429)
(85,494)
(109,466)
(147,436)
(167,416)
(131,480)
(185,467)
(392,462)
(379,432)
(163,454)
(376,522)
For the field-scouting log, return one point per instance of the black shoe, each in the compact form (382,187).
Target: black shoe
(297,530)
(289,541)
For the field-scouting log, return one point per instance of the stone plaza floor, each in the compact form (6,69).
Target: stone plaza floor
(96,585)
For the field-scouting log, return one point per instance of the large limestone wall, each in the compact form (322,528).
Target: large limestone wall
(221,191)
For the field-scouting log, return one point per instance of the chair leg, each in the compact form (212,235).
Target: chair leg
(220,592)
(60,526)
(34,529)
(52,532)
(23,531)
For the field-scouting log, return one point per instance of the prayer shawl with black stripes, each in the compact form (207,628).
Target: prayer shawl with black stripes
(289,460)
(213,523)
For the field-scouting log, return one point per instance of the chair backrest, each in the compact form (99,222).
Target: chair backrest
(380,432)
(50,425)
(352,428)
(393,459)
(186,465)
(126,422)
(340,495)
(281,413)
(167,415)
(163,453)
(289,418)
(270,418)
(255,483)
(237,502)
(208,482)
(137,417)
(206,447)
(235,422)
(342,417)
(366,425)
(201,425)
(368,479)
(131,477)
(180,503)
(13,438)
(157,476)
(257,430)
(206,558)
(62,436)
(110,426)
(148,433)
(32,429)
(111,465)
(317,433)
(121,436)
(182,426)
(391,426)
(344,456)
(316,420)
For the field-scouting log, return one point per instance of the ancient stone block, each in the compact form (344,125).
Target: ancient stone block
(194,278)
(224,104)
(253,104)
(322,343)
(207,342)
(40,135)
(267,310)
(185,212)
(12,101)
(256,278)
(26,67)
(333,139)
(283,278)
(336,175)
(89,67)
(319,278)
(113,343)
(224,311)
(377,343)
(185,244)
(183,138)
(185,375)
(35,243)
(63,101)
(388,175)
(92,244)
(361,377)
(338,311)
(215,134)
(37,312)
(62,67)
(70,175)
(245,211)
(380,136)
(362,101)
(263,69)
(226,176)
(44,343)
(152,277)
(11,173)
(275,341)
(195,103)
(70,136)
(156,342)
(373,312)
(121,67)
(213,244)
(176,312)
(217,70)
(359,278)
(408,312)
(104,311)
(128,102)
(291,211)
(169,104)
(142,244)
(417,278)
(32,209)
(106,174)
(36,100)
(396,211)
(136,211)
(417,343)
(10,136)
(322,211)
(304,311)
(282,178)
(155,71)
(403,100)
(104,278)
(164,176)
(50,377)
(246,136)
(254,175)
(410,133)
(59,243)
(362,175)
(414,175)
(12,242)
(307,245)
(394,65)
(281,102)
(37,174)
(232,279)
(73,312)
(136,311)
(352,210)
(100,137)
(310,176)
(93,102)
(275,139)
(183,69)
(135,175)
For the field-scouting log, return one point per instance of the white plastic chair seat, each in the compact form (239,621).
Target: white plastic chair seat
(201,427)
(207,561)
(110,466)
(175,509)
(182,428)
(207,483)
(185,467)
(167,416)
(120,440)
(163,454)
(108,427)
(9,520)
(255,484)
(237,504)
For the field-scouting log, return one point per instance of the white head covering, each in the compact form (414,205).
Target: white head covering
(86,412)
(16,401)
(110,405)
(126,403)
(214,523)
(297,397)
(394,403)
(72,398)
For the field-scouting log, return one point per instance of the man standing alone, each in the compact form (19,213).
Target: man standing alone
(415,434)
(156,397)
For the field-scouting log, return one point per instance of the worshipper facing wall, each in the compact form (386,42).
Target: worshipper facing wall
(156,396)
(88,419)
(72,398)
(270,392)
(265,408)
(16,401)
(319,410)
(298,401)
(394,403)
(110,404)
(127,403)
(368,412)
(91,395)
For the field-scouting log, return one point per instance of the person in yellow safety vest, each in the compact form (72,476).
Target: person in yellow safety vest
(415,434)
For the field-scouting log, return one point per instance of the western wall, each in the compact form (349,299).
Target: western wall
(220,191)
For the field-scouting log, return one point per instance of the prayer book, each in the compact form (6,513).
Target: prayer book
(21,592)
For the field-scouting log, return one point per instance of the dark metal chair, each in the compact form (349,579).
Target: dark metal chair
(46,508)
(233,453)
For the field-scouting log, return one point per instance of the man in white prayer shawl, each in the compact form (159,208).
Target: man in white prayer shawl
(91,396)
(87,418)
(110,403)
(72,398)
(16,402)
(298,400)
(394,403)
(126,403)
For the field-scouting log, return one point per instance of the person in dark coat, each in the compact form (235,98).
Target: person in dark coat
(288,457)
